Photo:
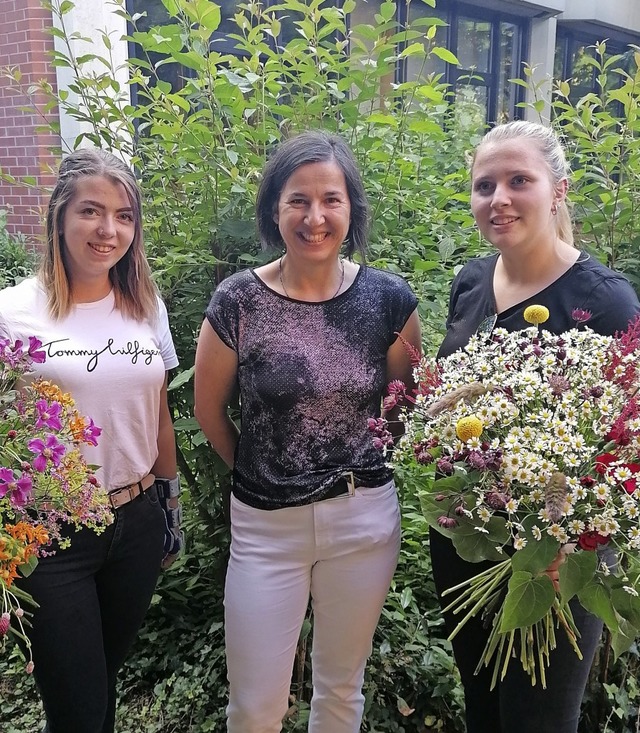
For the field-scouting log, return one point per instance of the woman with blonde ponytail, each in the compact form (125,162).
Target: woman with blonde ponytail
(519,180)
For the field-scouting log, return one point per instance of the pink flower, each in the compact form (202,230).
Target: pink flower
(5,622)
(48,415)
(37,356)
(18,490)
(6,477)
(48,450)
(91,432)
(21,491)
(580,316)
(447,522)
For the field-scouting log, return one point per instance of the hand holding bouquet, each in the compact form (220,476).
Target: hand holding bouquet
(524,448)
(44,480)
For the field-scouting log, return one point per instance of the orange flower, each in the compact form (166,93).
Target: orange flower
(77,425)
(53,393)
(32,534)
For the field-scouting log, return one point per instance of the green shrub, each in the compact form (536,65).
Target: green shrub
(17,259)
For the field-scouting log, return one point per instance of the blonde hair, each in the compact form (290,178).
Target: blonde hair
(553,153)
(134,290)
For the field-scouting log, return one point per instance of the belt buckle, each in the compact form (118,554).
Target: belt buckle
(351,482)
(115,503)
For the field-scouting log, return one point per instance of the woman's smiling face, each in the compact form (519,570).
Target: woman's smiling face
(513,195)
(314,211)
(98,227)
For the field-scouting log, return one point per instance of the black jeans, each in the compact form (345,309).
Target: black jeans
(514,705)
(93,598)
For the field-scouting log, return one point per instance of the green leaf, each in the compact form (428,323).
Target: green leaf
(475,546)
(575,572)
(28,567)
(382,119)
(181,379)
(528,600)
(172,7)
(388,10)
(415,49)
(186,424)
(536,556)
(595,598)
(406,597)
(622,639)
(445,55)
(627,605)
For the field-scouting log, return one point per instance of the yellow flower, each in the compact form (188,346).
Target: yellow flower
(469,427)
(536,314)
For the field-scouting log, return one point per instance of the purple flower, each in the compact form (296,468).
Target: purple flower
(444,466)
(48,450)
(48,415)
(580,316)
(475,459)
(447,522)
(37,356)
(91,432)
(21,491)
(6,478)
(5,622)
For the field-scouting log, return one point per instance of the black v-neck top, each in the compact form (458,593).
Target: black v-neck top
(587,285)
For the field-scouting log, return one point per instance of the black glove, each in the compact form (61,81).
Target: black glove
(168,493)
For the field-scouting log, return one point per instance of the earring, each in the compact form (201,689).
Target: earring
(554,209)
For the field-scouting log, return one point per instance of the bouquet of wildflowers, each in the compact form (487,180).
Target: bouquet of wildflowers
(524,447)
(44,480)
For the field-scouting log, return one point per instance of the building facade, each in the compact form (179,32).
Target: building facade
(492,39)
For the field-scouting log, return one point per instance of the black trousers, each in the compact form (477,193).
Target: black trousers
(514,705)
(93,597)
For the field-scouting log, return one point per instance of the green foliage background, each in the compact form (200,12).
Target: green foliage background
(198,147)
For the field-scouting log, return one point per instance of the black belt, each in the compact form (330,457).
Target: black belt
(348,483)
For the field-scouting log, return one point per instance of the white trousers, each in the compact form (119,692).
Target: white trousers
(342,552)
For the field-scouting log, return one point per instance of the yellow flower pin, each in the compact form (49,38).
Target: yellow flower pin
(536,314)
(469,427)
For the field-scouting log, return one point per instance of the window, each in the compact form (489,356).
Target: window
(490,48)
(573,62)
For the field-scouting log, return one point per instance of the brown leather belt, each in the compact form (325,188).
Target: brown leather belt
(122,496)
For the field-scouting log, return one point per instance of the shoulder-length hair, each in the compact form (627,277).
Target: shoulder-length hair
(134,290)
(313,146)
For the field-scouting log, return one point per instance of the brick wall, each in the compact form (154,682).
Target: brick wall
(23,150)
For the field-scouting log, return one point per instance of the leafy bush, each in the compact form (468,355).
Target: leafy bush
(17,259)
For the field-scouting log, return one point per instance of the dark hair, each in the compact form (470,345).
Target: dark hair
(313,146)
(134,291)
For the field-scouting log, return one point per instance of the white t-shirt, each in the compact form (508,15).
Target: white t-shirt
(113,367)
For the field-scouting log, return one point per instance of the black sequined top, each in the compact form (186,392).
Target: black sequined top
(310,375)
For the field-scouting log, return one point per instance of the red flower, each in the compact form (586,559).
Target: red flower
(591,540)
(603,462)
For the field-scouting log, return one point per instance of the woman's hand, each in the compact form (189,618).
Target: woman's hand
(553,571)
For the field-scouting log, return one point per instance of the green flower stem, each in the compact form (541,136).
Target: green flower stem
(484,586)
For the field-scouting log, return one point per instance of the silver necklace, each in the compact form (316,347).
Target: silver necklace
(285,290)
